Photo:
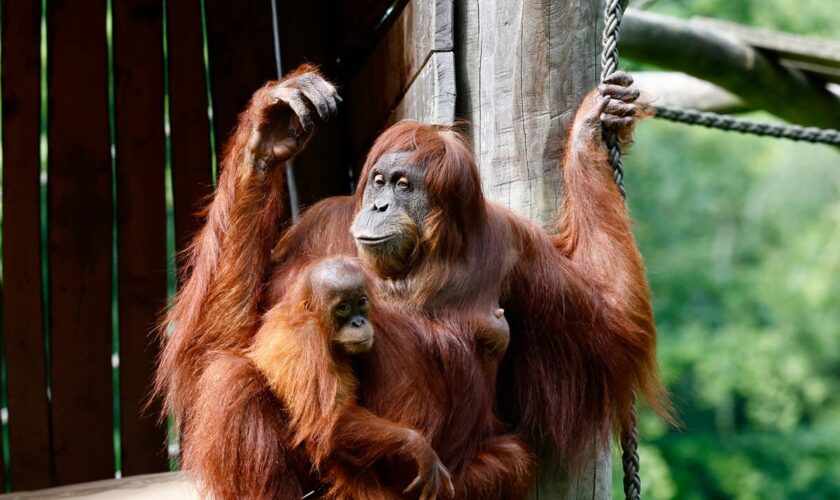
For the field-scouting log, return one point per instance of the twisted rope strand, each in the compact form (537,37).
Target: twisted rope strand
(714,120)
(609,64)
(630,460)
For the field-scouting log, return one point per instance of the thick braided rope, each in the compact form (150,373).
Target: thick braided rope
(609,64)
(714,120)
(630,460)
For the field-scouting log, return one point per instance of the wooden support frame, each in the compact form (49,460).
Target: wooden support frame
(523,69)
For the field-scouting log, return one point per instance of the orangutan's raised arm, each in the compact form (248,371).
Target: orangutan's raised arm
(217,307)
(580,301)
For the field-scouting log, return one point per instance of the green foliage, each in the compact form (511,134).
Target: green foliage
(808,17)
(741,239)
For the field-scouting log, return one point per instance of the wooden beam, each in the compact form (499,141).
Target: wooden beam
(731,64)
(23,307)
(523,69)
(80,242)
(141,223)
(192,181)
(424,27)
(241,46)
(784,45)
(678,90)
(431,97)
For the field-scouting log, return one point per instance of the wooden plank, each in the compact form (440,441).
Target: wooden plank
(422,28)
(318,170)
(241,48)
(141,224)
(29,443)
(784,45)
(192,181)
(679,90)
(523,68)
(80,242)
(431,97)
(167,485)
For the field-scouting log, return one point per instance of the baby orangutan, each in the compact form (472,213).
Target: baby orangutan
(304,350)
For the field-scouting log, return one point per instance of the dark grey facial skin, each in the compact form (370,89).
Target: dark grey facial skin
(343,291)
(394,195)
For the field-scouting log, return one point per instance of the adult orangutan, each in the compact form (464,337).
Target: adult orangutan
(454,275)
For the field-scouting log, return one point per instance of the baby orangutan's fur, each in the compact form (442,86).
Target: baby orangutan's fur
(303,349)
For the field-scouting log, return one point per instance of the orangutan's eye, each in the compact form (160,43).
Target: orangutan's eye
(343,309)
(379,180)
(363,303)
(403,183)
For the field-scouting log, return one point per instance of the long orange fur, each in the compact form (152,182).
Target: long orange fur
(582,332)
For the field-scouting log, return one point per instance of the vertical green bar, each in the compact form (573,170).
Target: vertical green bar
(115,317)
(45,261)
(214,161)
(4,400)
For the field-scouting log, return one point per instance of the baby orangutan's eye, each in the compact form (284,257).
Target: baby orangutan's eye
(363,303)
(343,309)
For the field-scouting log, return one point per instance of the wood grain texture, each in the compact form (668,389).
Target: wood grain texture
(523,68)
(753,75)
(80,242)
(192,181)
(141,222)
(431,97)
(423,27)
(23,325)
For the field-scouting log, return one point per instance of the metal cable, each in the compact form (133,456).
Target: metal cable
(723,122)
(294,203)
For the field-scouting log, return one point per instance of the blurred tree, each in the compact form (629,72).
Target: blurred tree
(742,241)
(740,235)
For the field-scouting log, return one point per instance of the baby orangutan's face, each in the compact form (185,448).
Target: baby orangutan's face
(341,285)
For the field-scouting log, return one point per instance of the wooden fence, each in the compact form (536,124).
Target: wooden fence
(108,143)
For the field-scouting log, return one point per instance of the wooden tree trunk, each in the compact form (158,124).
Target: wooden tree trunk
(523,67)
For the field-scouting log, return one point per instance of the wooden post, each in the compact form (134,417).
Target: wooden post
(523,67)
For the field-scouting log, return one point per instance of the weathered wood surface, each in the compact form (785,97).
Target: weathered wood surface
(80,242)
(734,65)
(141,222)
(167,485)
(23,325)
(431,97)
(423,28)
(523,67)
(823,56)
(679,90)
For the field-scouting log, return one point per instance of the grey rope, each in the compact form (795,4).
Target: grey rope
(630,459)
(609,64)
(714,120)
